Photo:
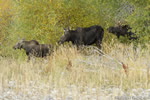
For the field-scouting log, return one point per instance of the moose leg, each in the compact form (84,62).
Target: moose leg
(28,58)
(98,44)
(78,43)
(28,54)
(118,36)
(78,46)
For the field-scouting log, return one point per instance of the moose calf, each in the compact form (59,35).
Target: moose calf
(123,30)
(33,48)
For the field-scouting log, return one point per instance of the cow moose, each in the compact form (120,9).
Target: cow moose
(83,36)
(122,30)
(33,48)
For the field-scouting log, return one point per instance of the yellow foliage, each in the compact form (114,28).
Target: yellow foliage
(5,15)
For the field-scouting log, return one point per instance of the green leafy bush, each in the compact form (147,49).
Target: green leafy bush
(43,20)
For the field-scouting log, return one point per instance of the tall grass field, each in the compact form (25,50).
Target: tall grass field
(84,68)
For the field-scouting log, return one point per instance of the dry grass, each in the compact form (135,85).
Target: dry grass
(67,66)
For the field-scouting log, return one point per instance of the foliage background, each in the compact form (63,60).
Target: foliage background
(43,19)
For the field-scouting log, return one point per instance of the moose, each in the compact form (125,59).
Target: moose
(83,36)
(122,30)
(33,48)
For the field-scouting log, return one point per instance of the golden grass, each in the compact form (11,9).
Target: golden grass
(67,66)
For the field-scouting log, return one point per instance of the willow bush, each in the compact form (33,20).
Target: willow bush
(5,19)
(43,20)
(139,20)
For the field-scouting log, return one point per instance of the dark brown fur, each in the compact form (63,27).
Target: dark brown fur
(83,36)
(123,30)
(33,48)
